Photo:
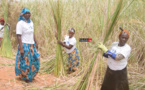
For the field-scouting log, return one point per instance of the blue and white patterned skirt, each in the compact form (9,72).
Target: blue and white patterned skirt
(27,66)
(73,60)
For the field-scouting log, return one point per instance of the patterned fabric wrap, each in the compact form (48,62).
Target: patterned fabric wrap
(21,15)
(73,60)
(27,66)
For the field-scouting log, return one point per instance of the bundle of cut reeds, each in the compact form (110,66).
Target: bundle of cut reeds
(85,83)
(57,15)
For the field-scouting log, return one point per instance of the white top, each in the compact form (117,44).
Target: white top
(121,64)
(26,30)
(1,31)
(70,41)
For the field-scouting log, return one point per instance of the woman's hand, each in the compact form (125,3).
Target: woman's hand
(36,46)
(102,47)
(63,44)
(22,51)
(56,36)
(59,42)
(8,24)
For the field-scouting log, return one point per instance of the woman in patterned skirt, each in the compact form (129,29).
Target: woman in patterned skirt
(72,52)
(27,59)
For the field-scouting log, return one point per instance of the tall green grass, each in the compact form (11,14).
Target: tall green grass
(85,83)
(57,15)
(6,49)
(91,19)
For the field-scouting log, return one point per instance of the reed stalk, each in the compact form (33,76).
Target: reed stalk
(57,15)
(6,49)
(86,81)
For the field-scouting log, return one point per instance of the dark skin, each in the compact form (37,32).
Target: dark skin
(2,22)
(26,16)
(123,38)
(71,34)
(21,44)
(122,41)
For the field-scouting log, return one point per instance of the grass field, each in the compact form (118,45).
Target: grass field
(90,19)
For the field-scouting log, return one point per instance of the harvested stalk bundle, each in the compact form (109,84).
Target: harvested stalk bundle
(85,83)
(6,49)
(57,15)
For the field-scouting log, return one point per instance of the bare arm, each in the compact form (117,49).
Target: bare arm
(68,47)
(35,39)
(5,25)
(64,45)
(35,42)
(20,43)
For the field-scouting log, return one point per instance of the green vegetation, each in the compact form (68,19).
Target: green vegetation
(6,49)
(99,20)
(57,15)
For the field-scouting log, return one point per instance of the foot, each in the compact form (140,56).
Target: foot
(27,81)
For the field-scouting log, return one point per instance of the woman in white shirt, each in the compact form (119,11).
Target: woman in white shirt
(70,44)
(27,60)
(2,25)
(2,22)
(116,73)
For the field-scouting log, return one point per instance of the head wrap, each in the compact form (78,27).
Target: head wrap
(123,32)
(72,30)
(22,13)
(2,19)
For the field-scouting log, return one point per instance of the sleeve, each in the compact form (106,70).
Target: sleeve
(18,28)
(65,38)
(0,27)
(72,41)
(126,52)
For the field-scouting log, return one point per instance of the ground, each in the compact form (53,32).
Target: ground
(8,80)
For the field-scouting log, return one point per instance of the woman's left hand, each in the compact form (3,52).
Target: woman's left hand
(36,46)
(8,24)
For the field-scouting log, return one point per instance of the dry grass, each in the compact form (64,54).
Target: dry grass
(88,18)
